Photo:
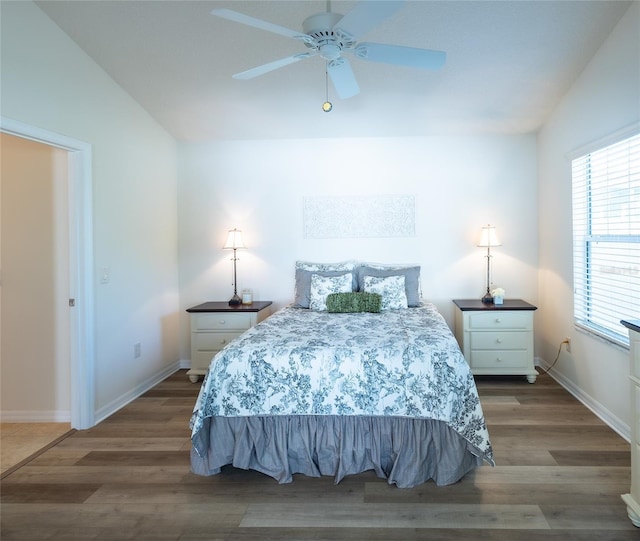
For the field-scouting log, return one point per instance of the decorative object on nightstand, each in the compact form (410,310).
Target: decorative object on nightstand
(498,295)
(633,498)
(215,324)
(488,238)
(234,242)
(247,296)
(496,339)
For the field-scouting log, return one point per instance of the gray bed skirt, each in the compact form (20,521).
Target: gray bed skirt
(405,451)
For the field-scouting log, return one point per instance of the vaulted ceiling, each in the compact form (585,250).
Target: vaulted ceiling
(508,64)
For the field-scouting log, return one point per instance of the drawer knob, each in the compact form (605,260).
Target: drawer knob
(222,321)
(498,359)
(223,341)
(498,320)
(499,340)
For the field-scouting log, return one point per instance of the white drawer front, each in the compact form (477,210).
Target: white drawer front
(499,340)
(212,341)
(635,472)
(220,321)
(201,360)
(500,320)
(499,359)
(636,389)
(635,353)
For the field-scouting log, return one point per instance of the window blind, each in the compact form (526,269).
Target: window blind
(606,238)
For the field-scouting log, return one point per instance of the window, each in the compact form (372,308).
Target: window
(606,238)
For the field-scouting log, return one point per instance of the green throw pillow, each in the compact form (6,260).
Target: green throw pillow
(355,301)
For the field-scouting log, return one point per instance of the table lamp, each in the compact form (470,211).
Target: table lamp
(488,238)
(234,242)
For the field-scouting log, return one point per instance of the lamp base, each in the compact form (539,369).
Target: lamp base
(487,299)
(235,300)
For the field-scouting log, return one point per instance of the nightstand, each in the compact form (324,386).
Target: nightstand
(496,339)
(214,324)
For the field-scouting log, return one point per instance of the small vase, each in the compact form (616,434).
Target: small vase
(498,300)
(247,296)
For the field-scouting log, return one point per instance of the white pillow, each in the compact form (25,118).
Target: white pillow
(322,286)
(391,288)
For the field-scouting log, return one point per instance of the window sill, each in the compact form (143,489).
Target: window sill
(609,340)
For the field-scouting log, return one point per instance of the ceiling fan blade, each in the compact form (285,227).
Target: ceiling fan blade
(366,16)
(401,56)
(259,23)
(270,66)
(342,77)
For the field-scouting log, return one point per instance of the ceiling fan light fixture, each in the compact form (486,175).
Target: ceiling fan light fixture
(330,51)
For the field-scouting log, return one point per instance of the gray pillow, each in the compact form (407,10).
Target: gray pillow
(344,266)
(411,280)
(302,294)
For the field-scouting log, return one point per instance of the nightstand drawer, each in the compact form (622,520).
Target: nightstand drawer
(209,341)
(221,321)
(635,355)
(500,320)
(499,359)
(636,413)
(499,340)
(200,360)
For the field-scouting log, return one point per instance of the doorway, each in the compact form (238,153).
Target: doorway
(79,309)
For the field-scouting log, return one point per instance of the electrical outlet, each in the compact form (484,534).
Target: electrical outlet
(137,350)
(567,343)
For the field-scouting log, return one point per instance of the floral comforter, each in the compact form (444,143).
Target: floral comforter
(402,363)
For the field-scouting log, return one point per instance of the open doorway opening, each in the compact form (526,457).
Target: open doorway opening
(79,304)
(34,247)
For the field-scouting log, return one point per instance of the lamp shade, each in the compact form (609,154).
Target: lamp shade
(489,237)
(234,240)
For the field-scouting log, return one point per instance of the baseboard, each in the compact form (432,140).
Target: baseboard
(137,391)
(614,422)
(26,416)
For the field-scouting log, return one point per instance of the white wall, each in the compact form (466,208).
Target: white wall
(459,184)
(605,99)
(48,82)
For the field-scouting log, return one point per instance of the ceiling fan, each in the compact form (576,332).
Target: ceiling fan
(330,35)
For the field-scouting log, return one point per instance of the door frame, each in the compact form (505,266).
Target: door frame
(81,286)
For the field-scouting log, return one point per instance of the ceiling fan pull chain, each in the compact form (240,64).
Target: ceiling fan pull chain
(327,105)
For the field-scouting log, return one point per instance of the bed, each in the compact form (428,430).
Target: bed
(313,392)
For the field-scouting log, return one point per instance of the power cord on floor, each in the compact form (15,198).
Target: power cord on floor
(565,341)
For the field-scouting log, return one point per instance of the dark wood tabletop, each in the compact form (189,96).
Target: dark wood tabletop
(478,305)
(633,324)
(223,306)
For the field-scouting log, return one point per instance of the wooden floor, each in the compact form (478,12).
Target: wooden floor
(559,476)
